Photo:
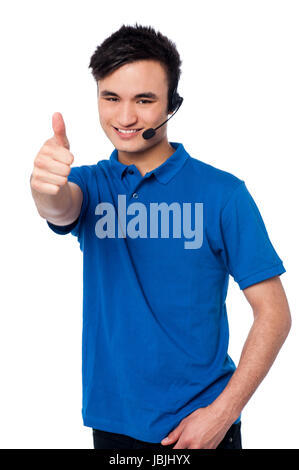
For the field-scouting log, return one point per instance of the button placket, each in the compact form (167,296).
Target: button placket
(140,181)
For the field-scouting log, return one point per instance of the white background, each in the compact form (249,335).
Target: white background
(239,81)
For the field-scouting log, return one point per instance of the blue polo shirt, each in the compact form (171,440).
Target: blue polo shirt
(155,328)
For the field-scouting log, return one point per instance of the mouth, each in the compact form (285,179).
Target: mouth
(126,133)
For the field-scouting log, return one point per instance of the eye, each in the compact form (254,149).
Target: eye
(112,99)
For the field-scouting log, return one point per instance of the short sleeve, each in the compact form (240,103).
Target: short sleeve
(79,176)
(247,250)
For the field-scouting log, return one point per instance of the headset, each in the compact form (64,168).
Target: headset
(175,103)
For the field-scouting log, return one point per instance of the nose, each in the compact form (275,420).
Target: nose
(127,115)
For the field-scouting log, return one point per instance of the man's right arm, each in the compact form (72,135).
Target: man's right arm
(57,199)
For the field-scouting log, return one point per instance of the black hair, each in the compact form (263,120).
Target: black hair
(133,43)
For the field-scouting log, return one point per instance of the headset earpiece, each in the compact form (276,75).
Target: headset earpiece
(175,101)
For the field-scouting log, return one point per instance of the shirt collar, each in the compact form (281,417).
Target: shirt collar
(165,172)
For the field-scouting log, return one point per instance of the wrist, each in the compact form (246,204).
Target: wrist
(226,409)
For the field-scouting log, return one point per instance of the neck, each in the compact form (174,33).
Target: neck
(148,159)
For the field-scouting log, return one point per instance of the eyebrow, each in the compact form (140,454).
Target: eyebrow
(148,94)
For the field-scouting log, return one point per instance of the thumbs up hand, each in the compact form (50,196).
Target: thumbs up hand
(52,164)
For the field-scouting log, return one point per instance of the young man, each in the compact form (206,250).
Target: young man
(155,329)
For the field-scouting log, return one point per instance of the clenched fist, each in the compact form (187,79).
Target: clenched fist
(52,164)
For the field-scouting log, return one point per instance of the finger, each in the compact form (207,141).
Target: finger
(180,445)
(59,154)
(50,178)
(58,126)
(45,188)
(172,436)
(53,166)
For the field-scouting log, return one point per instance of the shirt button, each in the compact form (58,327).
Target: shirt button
(131,172)
(135,195)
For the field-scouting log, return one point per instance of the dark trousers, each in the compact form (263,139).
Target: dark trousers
(110,440)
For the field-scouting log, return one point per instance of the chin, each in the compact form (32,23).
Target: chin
(129,146)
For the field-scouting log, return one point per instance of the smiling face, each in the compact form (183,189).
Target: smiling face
(134,97)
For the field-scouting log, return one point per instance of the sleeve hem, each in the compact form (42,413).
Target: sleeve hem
(275,270)
(63,229)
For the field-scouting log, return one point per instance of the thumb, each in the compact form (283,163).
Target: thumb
(172,436)
(58,126)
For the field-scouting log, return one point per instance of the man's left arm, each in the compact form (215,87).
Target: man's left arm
(206,427)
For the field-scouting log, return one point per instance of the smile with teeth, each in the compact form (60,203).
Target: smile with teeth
(129,131)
